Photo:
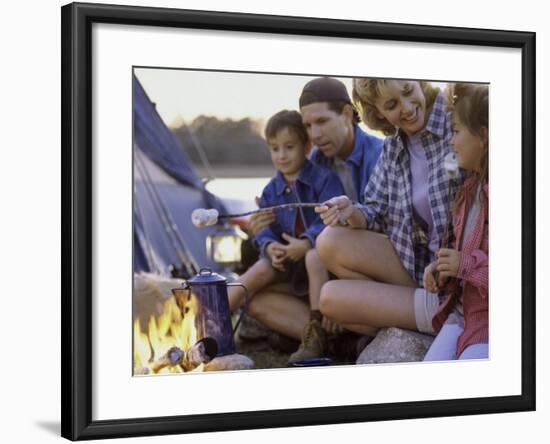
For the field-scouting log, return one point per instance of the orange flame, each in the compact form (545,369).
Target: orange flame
(168,330)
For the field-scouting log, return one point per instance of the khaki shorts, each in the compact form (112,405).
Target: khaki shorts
(296,275)
(425,308)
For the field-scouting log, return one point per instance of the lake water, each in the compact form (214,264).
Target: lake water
(238,193)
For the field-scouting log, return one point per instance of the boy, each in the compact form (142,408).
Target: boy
(285,244)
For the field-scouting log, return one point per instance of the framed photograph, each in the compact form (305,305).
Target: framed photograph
(173,121)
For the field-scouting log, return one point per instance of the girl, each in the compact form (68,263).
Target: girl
(462,319)
(381,252)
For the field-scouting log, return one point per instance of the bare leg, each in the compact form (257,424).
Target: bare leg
(361,329)
(368,303)
(361,254)
(317,275)
(256,278)
(279,310)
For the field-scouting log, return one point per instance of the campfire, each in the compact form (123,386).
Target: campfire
(180,328)
(169,345)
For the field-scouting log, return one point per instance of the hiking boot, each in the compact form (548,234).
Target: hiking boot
(343,347)
(314,343)
(252,329)
(282,343)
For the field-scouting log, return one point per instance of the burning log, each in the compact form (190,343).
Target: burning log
(173,357)
(202,352)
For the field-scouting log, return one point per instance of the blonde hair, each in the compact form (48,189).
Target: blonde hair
(365,93)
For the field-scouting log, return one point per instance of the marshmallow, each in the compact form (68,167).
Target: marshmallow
(204,218)
(451,165)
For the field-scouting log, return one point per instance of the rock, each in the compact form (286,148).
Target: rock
(151,291)
(229,362)
(396,345)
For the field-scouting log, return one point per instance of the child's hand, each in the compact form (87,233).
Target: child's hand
(277,254)
(296,248)
(448,261)
(429,279)
(335,211)
(259,221)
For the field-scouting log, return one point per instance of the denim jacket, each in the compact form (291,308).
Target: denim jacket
(361,161)
(313,184)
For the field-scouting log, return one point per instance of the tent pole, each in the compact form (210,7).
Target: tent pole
(167,220)
(149,248)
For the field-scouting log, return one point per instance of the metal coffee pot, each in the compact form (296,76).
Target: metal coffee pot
(205,296)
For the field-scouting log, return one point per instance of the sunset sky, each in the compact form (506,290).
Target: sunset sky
(188,94)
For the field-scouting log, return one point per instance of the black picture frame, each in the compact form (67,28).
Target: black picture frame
(76,246)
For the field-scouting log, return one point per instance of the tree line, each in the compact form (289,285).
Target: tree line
(224,142)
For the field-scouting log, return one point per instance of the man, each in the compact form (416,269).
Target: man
(332,124)
(340,145)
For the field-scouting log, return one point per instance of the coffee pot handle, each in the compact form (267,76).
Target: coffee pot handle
(245,306)
(176,291)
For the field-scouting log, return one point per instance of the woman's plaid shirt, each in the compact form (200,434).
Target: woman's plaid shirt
(390,197)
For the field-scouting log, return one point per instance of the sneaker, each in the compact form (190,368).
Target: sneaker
(314,343)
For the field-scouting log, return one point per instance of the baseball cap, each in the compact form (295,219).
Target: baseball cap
(324,89)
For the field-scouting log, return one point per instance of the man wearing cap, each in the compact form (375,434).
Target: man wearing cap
(332,124)
(340,145)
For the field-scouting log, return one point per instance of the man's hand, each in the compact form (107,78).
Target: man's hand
(448,261)
(259,221)
(296,248)
(335,211)
(277,254)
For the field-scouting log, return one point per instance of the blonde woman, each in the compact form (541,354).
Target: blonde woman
(379,250)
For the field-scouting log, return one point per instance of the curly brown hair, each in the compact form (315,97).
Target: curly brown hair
(469,102)
(365,93)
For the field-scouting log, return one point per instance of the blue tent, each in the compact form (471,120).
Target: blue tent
(166,190)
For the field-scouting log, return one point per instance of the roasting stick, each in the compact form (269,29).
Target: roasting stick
(202,217)
(274,207)
(450,164)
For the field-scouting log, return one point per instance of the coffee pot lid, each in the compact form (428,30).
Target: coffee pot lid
(207,276)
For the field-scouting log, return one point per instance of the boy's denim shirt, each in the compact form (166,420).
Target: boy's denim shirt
(361,161)
(313,184)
